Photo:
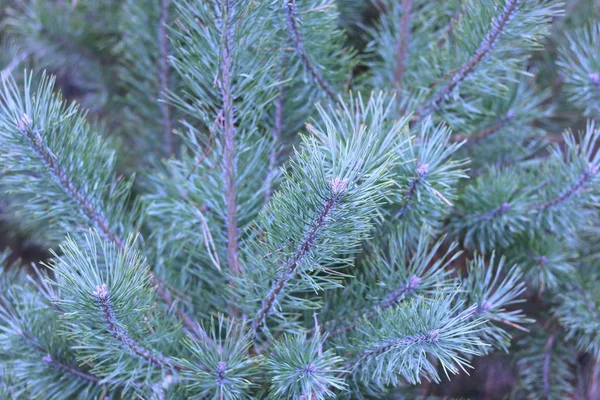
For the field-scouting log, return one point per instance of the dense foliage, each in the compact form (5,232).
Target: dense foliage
(299,199)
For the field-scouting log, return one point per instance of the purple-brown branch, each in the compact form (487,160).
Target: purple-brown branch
(48,359)
(461,73)
(102,297)
(277,130)
(296,35)
(163,76)
(432,336)
(95,215)
(587,175)
(546,365)
(487,132)
(422,171)
(494,213)
(392,299)
(402,44)
(289,270)
(229,131)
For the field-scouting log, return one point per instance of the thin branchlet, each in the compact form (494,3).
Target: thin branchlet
(402,44)
(459,74)
(48,359)
(163,76)
(64,181)
(277,129)
(289,270)
(102,297)
(431,336)
(546,365)
(95,215)
(229,170)
(587,175)
(422,171)
(391,300)
(298,41)
(486,132)
(494,213)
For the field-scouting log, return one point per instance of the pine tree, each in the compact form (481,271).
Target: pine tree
(299,199)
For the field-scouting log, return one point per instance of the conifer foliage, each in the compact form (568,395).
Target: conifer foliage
(299,199)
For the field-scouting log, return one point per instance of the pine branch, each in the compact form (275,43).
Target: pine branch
(428,337)
(338,188)
(402,45)
(422,171)
(494,213)
(486,132)
(102,297)
(229,131)
(588,174)
(277,129)
(461,73)
(64,181)
(296,35)
(95,215)
(546,365)
(392,299)
(48,359)
(163,76)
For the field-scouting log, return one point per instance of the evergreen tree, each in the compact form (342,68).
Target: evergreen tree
(299,199)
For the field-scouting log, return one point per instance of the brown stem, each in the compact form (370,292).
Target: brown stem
(290,267)
(546,366)
(402,44)
(422,171)
(48,359)
(277,130)
(459,74)
(381,348)
(392,299)
(296,35)
(229,131)
(102,297)
(96,216)
(587,175)
(484,133)
(163,76)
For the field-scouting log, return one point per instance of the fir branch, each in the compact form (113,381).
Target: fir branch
(338,188)
(226,70)
(587,175)
(48,359)
(163,76)
(95,215)
(102,297)
(402,44)
(296,35)
(461,73)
